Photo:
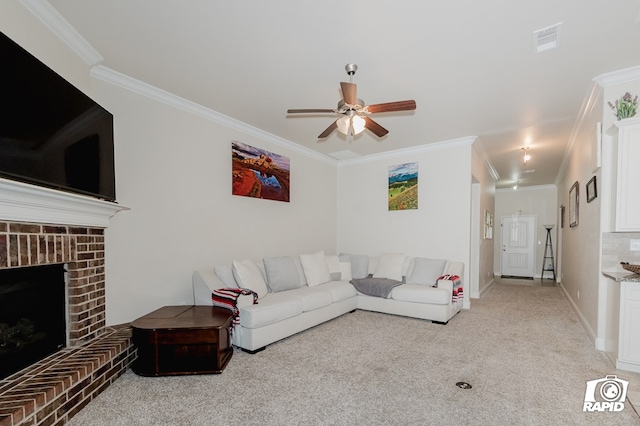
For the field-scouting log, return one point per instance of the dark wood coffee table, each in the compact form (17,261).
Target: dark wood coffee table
(182,340)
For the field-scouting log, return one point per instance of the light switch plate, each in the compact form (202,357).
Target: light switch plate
(634,245)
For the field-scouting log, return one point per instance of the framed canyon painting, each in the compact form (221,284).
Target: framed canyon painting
(258,173)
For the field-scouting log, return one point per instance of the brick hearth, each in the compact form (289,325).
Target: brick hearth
(54,389)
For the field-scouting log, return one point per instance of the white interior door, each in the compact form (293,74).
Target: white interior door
(518,246)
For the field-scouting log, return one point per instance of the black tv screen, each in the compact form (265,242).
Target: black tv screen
(52,134)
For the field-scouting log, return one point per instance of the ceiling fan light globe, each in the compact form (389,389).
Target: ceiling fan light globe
(344,123)
(358,124)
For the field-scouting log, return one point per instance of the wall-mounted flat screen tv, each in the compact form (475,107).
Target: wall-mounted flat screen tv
(51,133)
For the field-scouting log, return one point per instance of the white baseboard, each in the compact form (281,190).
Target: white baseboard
(606,345)
(583,320)
(478,294)
(487,287)
(620,365)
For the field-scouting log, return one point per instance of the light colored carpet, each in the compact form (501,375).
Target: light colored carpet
(521,347)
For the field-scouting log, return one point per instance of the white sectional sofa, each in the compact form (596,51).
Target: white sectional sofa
(299,292)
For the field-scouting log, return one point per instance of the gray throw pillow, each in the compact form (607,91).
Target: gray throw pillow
(225,274)
(359,264)
(282,273)
(426,271)
(302,277)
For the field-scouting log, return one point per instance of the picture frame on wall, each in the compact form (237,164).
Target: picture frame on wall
(574,201)
(488,225)
(258,173)
(403,187)
(592,190)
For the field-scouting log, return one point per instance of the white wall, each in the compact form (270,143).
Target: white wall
(439,228)
(486,187)
(581,244)
(539,201)
(174,171)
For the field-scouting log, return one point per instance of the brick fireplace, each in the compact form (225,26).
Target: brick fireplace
(51,391)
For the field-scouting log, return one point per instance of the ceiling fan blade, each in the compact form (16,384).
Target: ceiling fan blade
(329,130)
(296,111)
(349,93)
(375,127)
(392,106)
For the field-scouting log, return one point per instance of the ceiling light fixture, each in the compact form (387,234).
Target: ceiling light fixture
(351,124)
(526,157)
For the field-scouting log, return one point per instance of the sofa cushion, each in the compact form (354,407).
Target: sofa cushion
(359,264)
(418,293)
(426,271)
(282,273)
(225,274)
(390,266)
(340,290)
(315,268)
(312,297)
(248,275)
(270,309)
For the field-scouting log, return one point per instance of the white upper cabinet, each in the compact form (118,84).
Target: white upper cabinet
(626,190)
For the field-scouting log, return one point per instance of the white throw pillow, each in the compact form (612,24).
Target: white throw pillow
(390,266)
(248,275)
(315,268)
(345,271)
(334,267)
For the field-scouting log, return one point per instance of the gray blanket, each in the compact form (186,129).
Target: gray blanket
(379,287)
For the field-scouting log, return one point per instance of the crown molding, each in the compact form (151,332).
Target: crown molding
(108,75)
(43,10)
(482,153)
(587,107)
(453,143)
(618,77)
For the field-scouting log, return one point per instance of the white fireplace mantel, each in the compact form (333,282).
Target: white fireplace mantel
(22,202)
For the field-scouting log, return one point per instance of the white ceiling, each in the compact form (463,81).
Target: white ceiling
(470,65)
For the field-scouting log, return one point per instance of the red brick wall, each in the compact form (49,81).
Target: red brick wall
(51,391)
(82,249)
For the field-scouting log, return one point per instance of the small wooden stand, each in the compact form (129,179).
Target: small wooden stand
(182,340)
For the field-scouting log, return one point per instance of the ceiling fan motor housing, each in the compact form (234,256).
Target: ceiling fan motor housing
(351,69)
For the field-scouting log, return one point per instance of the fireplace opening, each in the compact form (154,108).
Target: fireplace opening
(32,315)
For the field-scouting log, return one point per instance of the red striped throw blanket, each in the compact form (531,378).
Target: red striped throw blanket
(457,286)
(228,298)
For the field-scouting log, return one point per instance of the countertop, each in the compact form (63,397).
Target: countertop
(622,276)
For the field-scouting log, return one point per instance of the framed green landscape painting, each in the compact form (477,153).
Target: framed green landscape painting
(403,187)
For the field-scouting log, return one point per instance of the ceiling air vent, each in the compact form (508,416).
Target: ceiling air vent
(344,155)
(546,38)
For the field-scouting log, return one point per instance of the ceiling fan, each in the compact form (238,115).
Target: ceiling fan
(355,112)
